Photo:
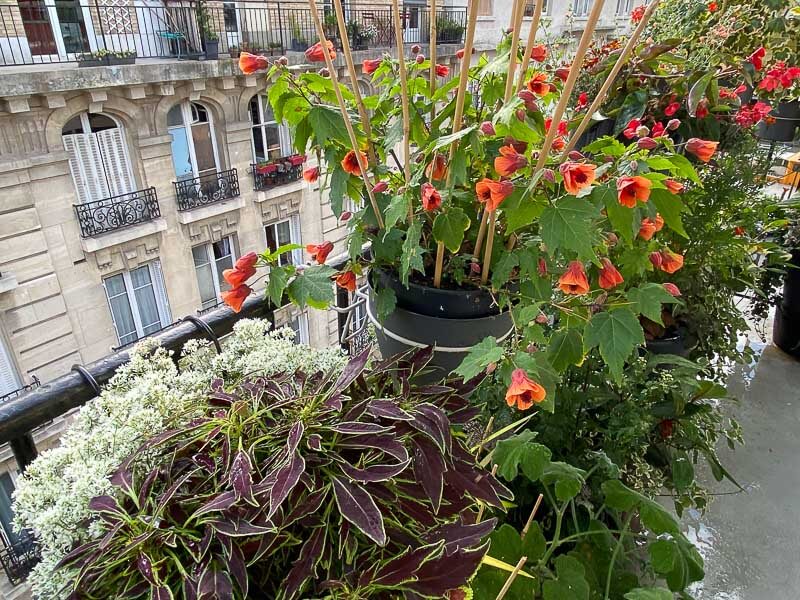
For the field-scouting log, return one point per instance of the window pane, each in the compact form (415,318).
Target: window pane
(181,160)
(222,248)
(146,303)
(141,277)
(226,262)
(115,285)
(175,116)
(272,135)
(272,240)
(205,281)
(123,318)
(199,255)
(99,122)
(258,144)
(266,108)
(255,119)
(229,13)
(203,147)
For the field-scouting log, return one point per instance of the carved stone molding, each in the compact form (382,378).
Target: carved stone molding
(281,207)
(127,256)
(213,229)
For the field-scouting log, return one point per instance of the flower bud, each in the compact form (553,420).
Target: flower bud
(380,187)
(521,114)
(672,289)
(549,175)
(324,72)
(487,128)
(283,61)
(612,240)
(647,143)
(673,124)
(490,368)
(575,155)
(345,216)
(420,59)
(656,259)
(529,98)
(541,319)
(562,73)
(607,158)
(475,268)
(531,348)
(634,166)
(642,131)
(415,49)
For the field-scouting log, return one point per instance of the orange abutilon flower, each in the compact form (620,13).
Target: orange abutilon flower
(539,53)
(524,392)
(633,189)
(577,176)
(672,289)
(442,70)
(319,252)
(371,65)
(676,187)
(243,270)
(609,276)
(574,281)
(431,198)
(347,281)
(248,261)
(350,162)
(509,162)
(437,169)
(492,193)
(250,63)
(647,229)
(670,261)
(538,84)
(311,174)
(236,297)
(316,54)
(702,149)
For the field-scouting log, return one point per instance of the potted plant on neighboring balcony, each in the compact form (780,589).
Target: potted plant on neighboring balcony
(448,30)
(299,41)
(234,51)
(209,35)
(360,35)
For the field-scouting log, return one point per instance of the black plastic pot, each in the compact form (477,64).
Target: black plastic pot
(212,49)
(450,320)
(786,120)
(679,342)
(595,131)
(786,329)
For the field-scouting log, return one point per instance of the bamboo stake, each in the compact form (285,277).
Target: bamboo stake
(601,95)
(526,60)
(348,58)
(533,514)
(343,108)
(484,436)
(577,63)
(458,119)
(511,578)
(401,55)
(432,55)
(481,234)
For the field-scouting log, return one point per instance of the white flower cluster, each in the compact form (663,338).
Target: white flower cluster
(145,396)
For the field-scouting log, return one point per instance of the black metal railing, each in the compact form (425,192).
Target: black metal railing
(99,33)
(206,189)
(32,385)
(19,558)
(117,212)
(285,170)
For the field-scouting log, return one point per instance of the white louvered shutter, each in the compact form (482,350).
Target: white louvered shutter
(161,293)
(115,159)
(8,377)
(86,164)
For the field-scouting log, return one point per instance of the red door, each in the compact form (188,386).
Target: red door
(38,29)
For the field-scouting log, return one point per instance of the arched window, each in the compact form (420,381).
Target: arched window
(270,139)
(194,147)
(98,157)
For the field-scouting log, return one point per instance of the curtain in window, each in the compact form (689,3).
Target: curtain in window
(8,378)
(121,311)
(86,164)
(145,300)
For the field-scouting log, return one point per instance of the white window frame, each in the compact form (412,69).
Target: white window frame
(625,7)
(295,237)
(581,8)
(530,6)
(300,326)
(159,291)
(188,122)
(9,378)
(284,136)
(219,284)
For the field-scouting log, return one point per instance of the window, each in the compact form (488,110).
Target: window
(210,260)
(7,530)
(8,375)
(98,157)
(530,7)
(581,7)
(282,233)
(229,14)
(194,148)
(300,326)
(270,139)
(138,302)
(485,8)
(625,7)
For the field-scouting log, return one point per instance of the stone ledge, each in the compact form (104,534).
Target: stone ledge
(115,238)
(280,190)
(8,282)
(193,215)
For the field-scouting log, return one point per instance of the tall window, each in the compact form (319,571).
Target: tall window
(581,7)
(194,148)
(530,7)
(8,375)
(270,139)
(138,302)
(282,233)
(300,326)
(98,157)
(625,7)
(229,14)
(210,260)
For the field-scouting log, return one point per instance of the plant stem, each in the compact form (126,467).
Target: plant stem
(616,553)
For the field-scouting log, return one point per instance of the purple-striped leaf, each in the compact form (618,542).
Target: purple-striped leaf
(285,479)
(105,504)
(429,468)
(309,505)
(432,390)
(123,479)
(136,590)
(334,403)
(357,428)
(214,584)
(355,412)
(421,358)
(144,564)
(265,544)
(475,483)
(437,576)
(238,569)
(464,415)
(295,435)
(358,507)
(387,409)
(238,527)
(314,442)
(168,494)
(439,419)
(417,511)
(147,485)
(403,568)
(204,461)
(460,536)
(241,477)
(189,589)
(351,371)
(161,593)
(373,473)
(305,567)
(222,502)
(387,443)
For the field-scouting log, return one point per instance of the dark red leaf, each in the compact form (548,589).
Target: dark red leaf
(351,371)
(373,473)
(238,527)
(285,479)
(358,507)
(403,568)
(459,535)
(78,553)
(305,567)
(241,477)
(429,468)
(145,566)
(437,576)
(314,442)
(386,408)
(387,443)
(222,502)
(238,569)
(295,435)
(161,593)
(123,479)
(424,424)
(357,428)
(435,414)
(309,505)
(214,584)
(147,484)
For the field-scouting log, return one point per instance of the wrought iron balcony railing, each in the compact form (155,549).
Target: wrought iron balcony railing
(117,212)
(19,558)
(32,385)
(207,189)
(267,175)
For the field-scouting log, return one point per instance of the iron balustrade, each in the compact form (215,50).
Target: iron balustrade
(117,212)
(206,189)
(98,33)
(277,172)
(30,386)
(19,558)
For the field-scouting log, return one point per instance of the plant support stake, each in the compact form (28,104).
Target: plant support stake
(401,62)
(526,60)
(520,563)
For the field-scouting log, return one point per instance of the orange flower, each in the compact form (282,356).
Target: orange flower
(538,84)
(250,63)
(577,176)
(672,289)
(659,222)
(243,270)
(524,391)
(539,53)
(347,281)
(369,66)
(311,174)
(492,193)
(236,297)
(574,280)
(670,261)
(319,252)
(442,71)
(558,144)
(437,170)
(431,198)
(609,276)
(510,162)
(248,261)
(350,162)
(647,229)
(317,54)
(631,189)
(702,149)
(676,187)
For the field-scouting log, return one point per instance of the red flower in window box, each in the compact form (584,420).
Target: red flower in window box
(267,169)
(297,159)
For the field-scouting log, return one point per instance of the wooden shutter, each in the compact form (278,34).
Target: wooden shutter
(8,375)
(115,160)
(86,164)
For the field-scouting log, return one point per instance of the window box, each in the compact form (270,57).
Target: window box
(206,189)
(278,172)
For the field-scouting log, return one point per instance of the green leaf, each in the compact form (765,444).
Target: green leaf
(648,299)
(670,207)
(649,594)
(682,472)
(279,87)
(411,259)
(698,91)
(394,135)
(633,107)
(328,125)
(565,349)
(300,135)
(617,333)
(568,480)
(661,163)
(338,189)
(568,224)
(520,451)
(449,228)
(606,145)
(621,217)
(480,356)
(397,211)
(313,287)
(502,270)
(571,582)
(520,211)
(685,167)
(619,496)
(385,302)
(446,140)
(276,285)
(663,555)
